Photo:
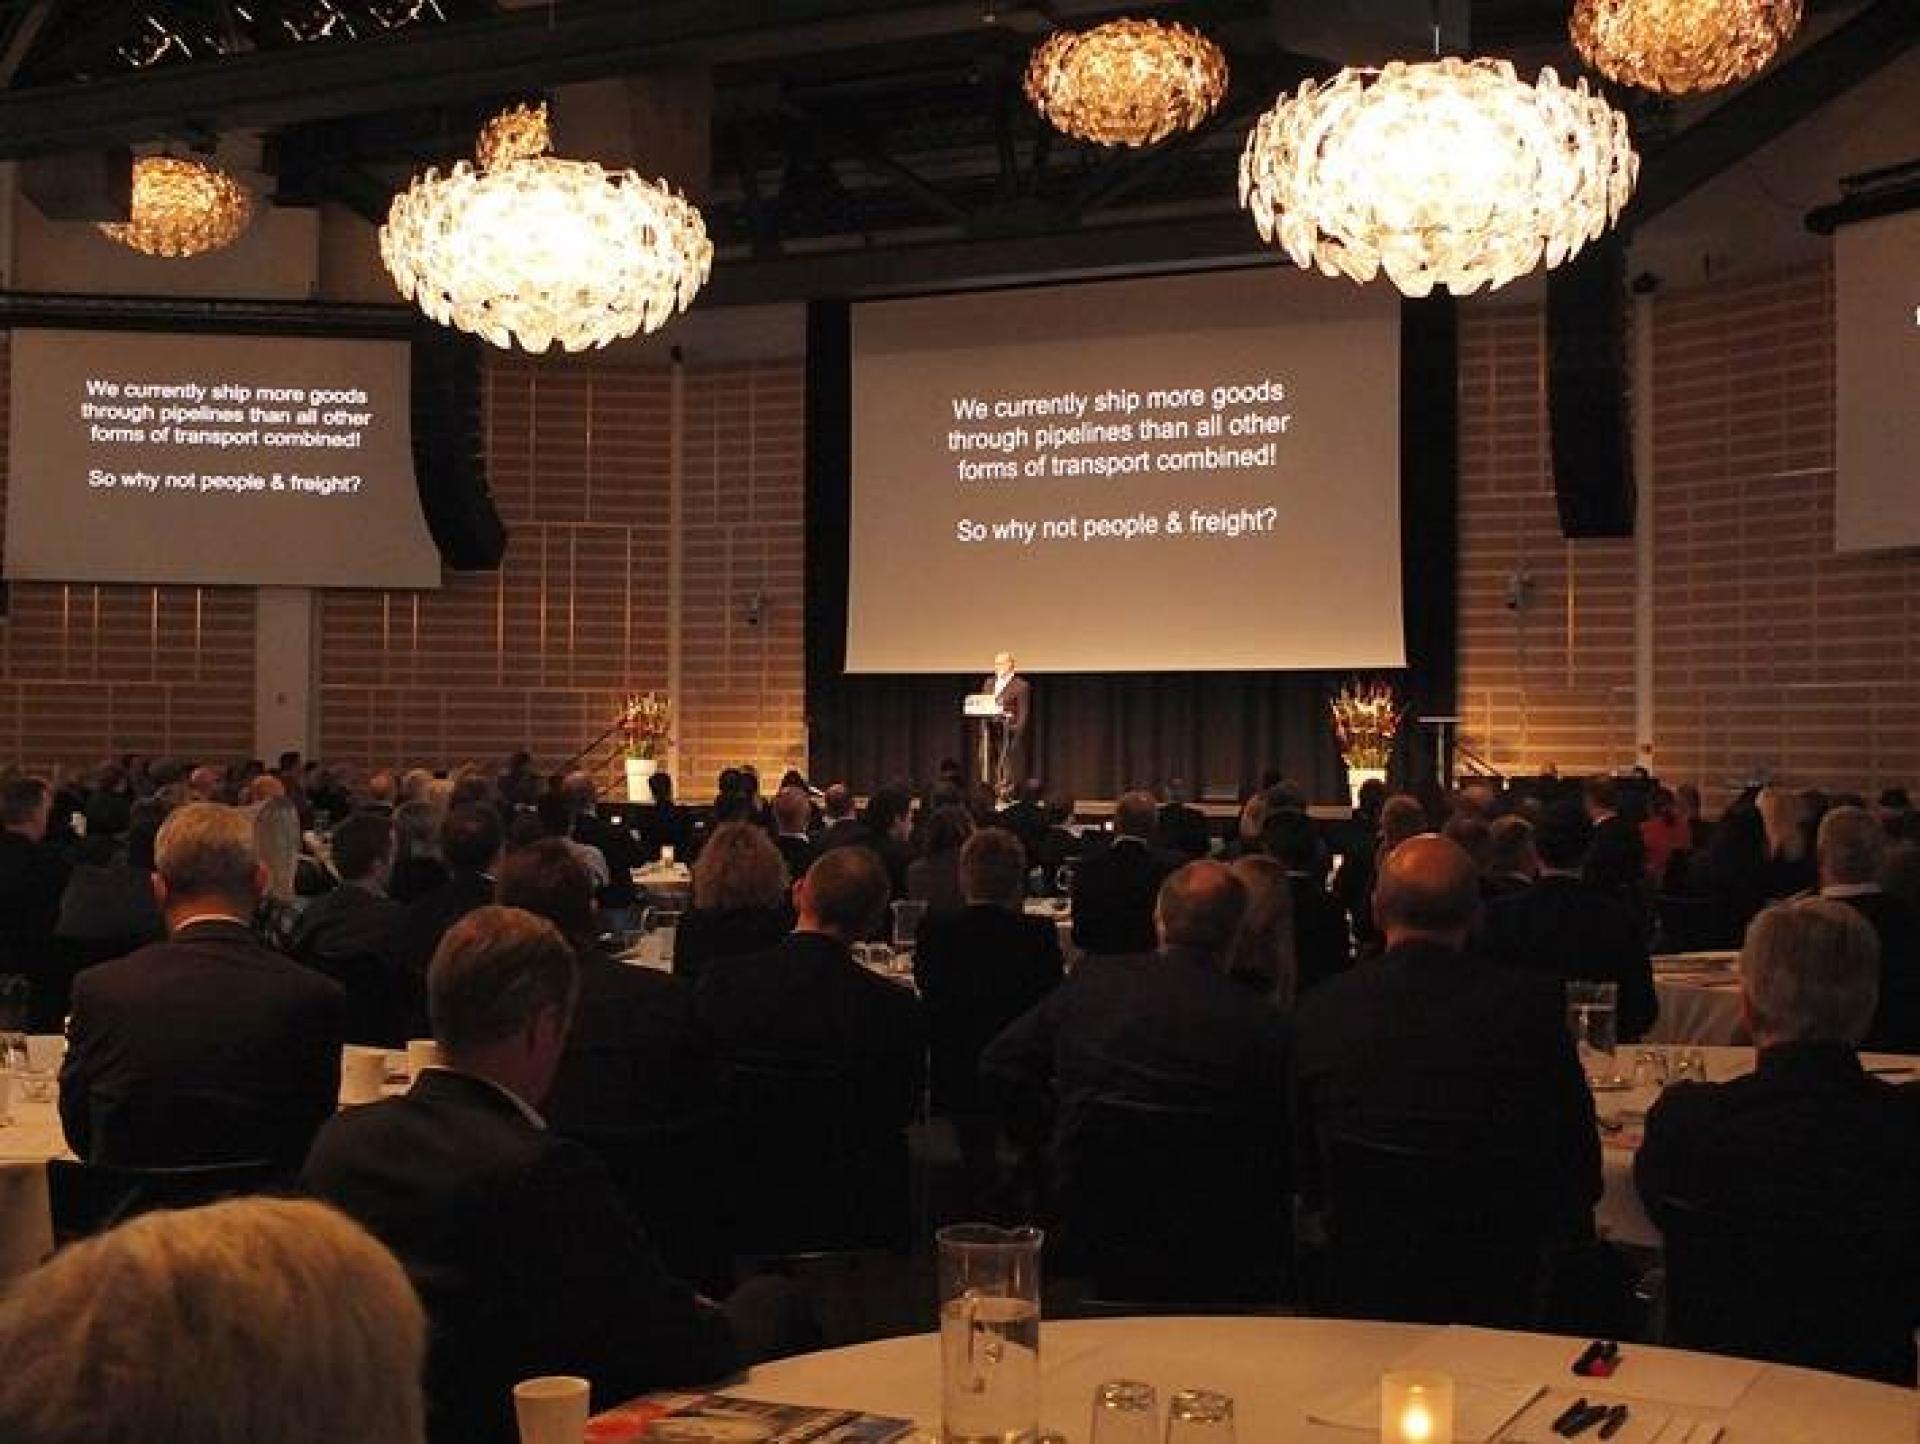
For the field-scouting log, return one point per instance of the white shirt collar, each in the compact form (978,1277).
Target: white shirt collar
(193,920)
(1850,889)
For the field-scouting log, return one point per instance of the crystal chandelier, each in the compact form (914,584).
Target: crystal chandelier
(182,208)
(525,248)
(1680,46)
(1128,82)
(1446,172)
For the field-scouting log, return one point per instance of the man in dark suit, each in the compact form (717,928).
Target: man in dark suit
(843,825)
(209,1047)
(1617,859)
(1015,696)
(1429,1043)
(522,1250)
(1179,827)
(792,816)
(1026,818)
(1852,848)
(1322,941)
(1513,862)
(616,844)
(33,875)
(348,934)
(1568,928)
(1114,889)
(471,840)
(1807,1149)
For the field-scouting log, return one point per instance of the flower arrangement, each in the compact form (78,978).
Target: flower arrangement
(1366,719)
(645,725)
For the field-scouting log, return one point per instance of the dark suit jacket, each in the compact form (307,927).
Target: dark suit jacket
(32,877)
(621,850)
(1896,1020)
(349,935)
(523,1253)
(1617,858)
(1113,896)
(1016,701)
(428,917)
(210,1048)
(636,1058)
(797,852)
(1182,829)
(1167,1028)
(1569,929)
(807,1002)
(1424,1046)
(708,933)
(1322,945)
(935,880)
(978,970)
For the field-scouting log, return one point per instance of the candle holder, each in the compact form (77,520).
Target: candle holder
(1416,1409)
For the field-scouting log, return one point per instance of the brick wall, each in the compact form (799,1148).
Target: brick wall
(89,671)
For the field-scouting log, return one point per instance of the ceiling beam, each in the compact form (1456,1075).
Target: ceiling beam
(1875,35)
(585,40)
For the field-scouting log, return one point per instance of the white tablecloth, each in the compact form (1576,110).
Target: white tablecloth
(26,1219)
(1697,1010)
(1278,1369)
(1619,1216)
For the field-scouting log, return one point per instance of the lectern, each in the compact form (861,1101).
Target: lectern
(988,718)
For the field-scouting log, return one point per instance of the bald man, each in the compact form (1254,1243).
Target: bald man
(1432,1048)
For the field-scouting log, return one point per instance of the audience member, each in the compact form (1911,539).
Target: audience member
(666,824)
(1026,817)
(888,818)
(524,1254)
(1616,857)
(1401,817)
(739,900)
(33,876)
(554,814)
(1790,869)
(470,840)
(843,826)
(240,1323)
(1730,875)
(1512,862)
(417,866)
(1568,927)
(1114,889)
(1806,1163)
(617,846)
(350,934)
(1265,951)
(209,1047)
(1179,827)
(934,877)
(793,820)
(1319,924)
(108,908)
(1851,852)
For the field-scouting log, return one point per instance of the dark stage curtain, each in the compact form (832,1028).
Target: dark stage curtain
(1097,735)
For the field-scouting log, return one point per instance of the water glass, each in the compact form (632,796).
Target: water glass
(907,916)
(1650,1069)
(1125,1411)
(989,1334)
(1592,1012)
(1689,1066)
(1198,1416)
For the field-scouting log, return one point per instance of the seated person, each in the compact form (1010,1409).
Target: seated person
(1808,1149)
(739,907)
(349,933)
(471,840)
(210,1047)
(524,1254)
(258,1319)
(1114,889)
(1851,849)
(1323,945)
(934,877)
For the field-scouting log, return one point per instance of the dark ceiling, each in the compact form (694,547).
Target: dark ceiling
(836,125)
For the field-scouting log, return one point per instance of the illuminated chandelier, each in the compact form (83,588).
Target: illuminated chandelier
(525,248)
(1446,172)
(182,208)
(1680,46)
(1128,82)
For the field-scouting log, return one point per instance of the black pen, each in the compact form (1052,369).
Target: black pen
(1616,1421)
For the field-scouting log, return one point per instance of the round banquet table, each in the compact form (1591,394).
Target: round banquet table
(1699,997)
(26,1219)
(1619,1215)
(1277,1369)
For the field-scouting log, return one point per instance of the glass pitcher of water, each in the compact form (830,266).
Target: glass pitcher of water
(989,1334)
(1592,1014)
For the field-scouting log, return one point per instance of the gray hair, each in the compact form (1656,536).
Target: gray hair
(207,849)
(258,1319)
(276,837)
(1811,972)
(1851,846)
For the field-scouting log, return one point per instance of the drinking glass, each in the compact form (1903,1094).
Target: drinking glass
(1650,1069)
(1592,1011)
(1198,1416)
(907,916)
(1124,1412)
(989,1334)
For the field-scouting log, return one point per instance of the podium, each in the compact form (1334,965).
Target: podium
(983,709)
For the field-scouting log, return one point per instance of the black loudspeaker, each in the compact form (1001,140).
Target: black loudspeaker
(1587,396)
(449,458)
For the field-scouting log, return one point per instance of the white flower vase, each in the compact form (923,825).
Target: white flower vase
(1358,777)
(639,770)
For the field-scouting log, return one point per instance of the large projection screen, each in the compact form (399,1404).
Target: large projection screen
(213,460)
(1190,473)
(1877,363)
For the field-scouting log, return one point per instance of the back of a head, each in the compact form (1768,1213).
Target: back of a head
(360,844)
(792,809)
(1427,887)
(661,786)
(1135,814)
(839,801)
(739,867)
(1782,813)
(848,889)
(495,971)
(1469,828)
(1852,845)
(1263,951)
(22,799)
(547,880)
(887,807)
(416,830)
(993,868)
(1200,907)
(207,850)
(1564,836)
(555,814)
(1287,836)
(948,828)
(578,789)
(1510,847)
(1811,973)
(243,1322)
(1401,817)
(1601,793)
(470,838)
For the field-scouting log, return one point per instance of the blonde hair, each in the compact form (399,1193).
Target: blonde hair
(1263,948)
(207,848)
(1781,813)
(739,867)
(244,1322)
(276,838)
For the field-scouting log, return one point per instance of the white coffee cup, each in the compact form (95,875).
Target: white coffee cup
(666,855)
(551,1409)
(363,1073)
(422,1053)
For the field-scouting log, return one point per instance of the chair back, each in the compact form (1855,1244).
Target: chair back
(1430,1234)
(1804,1289)
(89,1198)
(1163,1205)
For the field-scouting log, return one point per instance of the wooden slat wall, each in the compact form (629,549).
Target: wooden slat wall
(87,672)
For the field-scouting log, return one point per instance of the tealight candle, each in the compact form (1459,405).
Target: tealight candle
(1416,1409)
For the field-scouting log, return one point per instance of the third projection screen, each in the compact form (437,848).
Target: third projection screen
(1192,473)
